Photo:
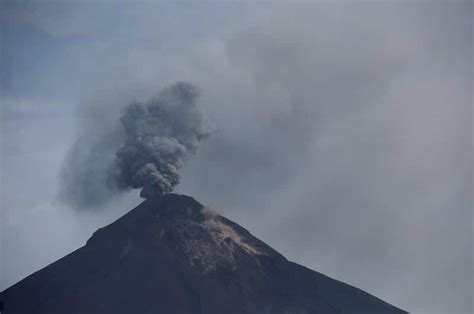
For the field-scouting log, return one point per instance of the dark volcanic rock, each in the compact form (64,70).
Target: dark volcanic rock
(172,256)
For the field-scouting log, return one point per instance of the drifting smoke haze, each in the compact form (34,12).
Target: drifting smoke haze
(155,137)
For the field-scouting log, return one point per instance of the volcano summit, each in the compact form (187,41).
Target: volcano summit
(171,255)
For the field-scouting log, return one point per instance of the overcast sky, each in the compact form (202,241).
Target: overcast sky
(343,129)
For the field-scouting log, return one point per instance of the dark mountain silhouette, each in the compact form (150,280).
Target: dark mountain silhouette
(171,255)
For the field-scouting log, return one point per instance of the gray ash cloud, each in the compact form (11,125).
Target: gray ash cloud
(159,134)
(145,149)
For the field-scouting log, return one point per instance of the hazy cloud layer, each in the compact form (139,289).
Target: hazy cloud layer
(343,131)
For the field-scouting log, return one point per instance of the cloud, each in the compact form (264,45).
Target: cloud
(343,130)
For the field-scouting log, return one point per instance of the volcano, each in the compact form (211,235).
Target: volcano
(171,255)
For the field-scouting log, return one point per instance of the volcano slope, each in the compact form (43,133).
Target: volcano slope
(171,255)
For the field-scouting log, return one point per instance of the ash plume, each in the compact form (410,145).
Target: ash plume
(159,133)
(143,149)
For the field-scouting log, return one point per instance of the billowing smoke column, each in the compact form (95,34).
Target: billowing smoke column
(159,134)
(143,148)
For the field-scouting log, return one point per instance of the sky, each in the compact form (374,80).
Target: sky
(342,130)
